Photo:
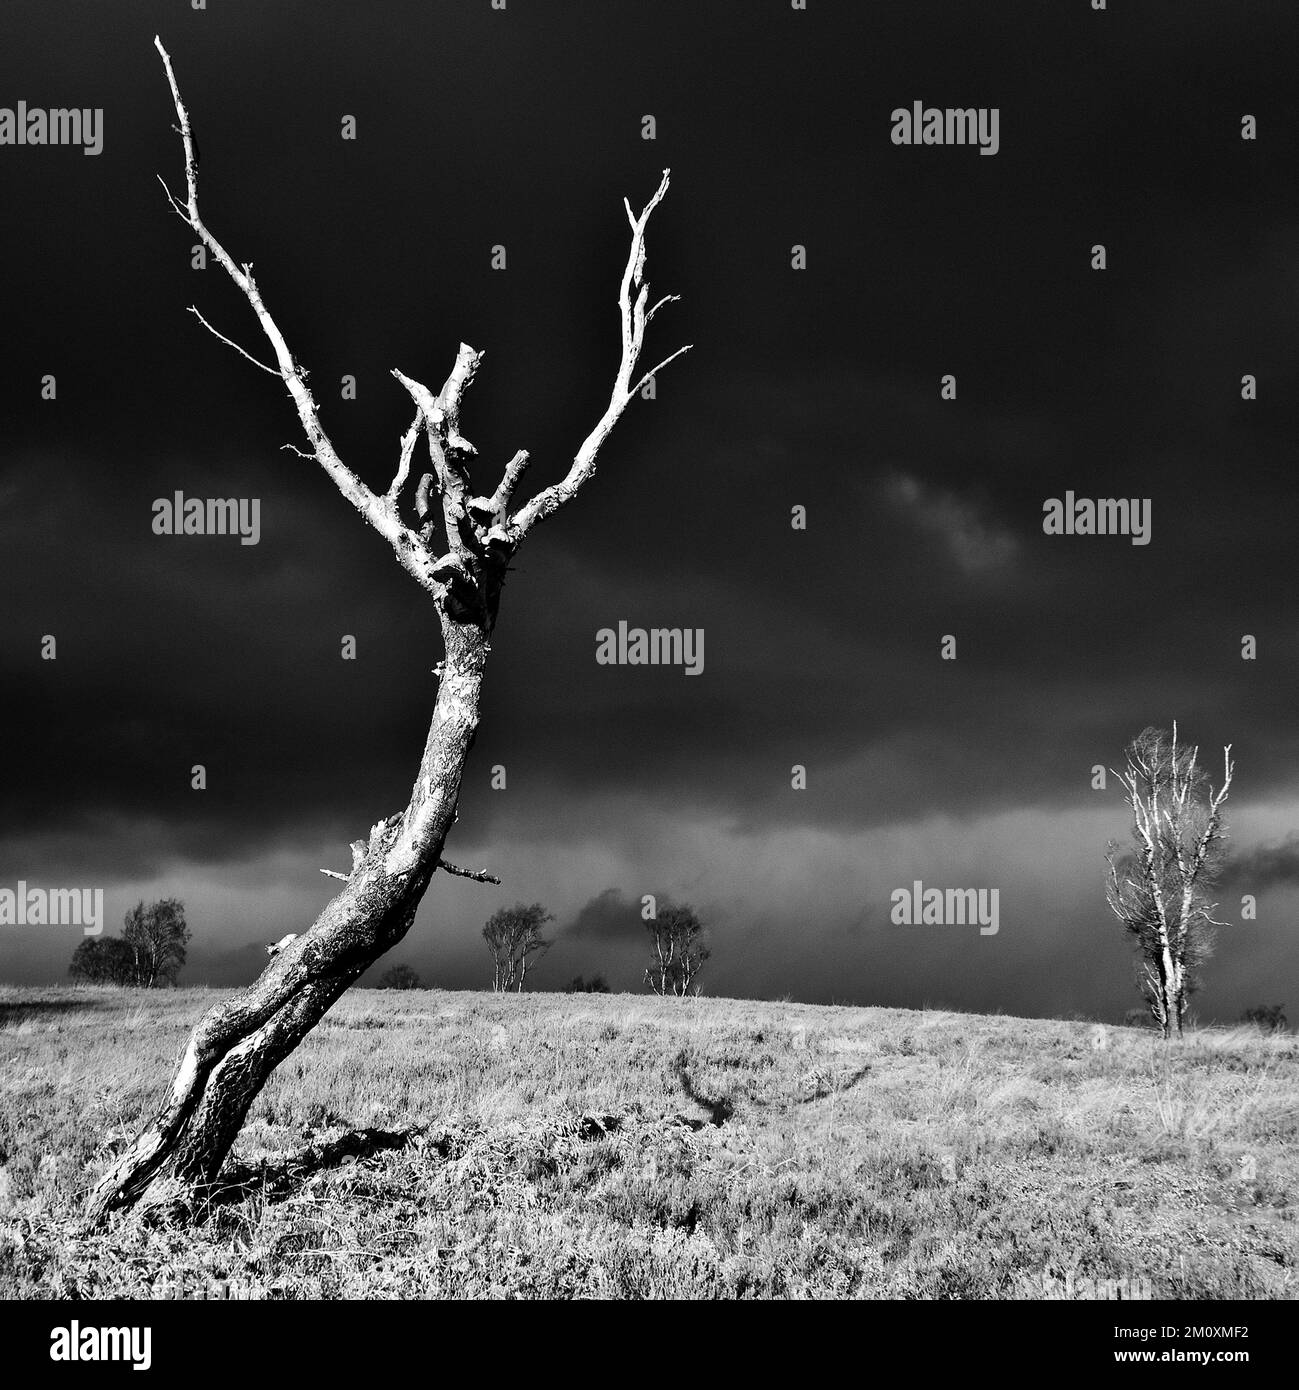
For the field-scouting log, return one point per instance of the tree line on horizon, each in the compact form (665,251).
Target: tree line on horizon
(1158,888)
(515,943)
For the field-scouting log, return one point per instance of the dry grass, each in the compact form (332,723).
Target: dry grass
(619,1146)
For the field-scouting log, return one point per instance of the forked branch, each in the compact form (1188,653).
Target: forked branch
(632,296)
(478,528)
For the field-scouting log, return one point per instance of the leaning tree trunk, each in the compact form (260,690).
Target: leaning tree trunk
(238,1044)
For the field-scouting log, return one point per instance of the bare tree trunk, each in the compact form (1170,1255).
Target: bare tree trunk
(1177,996)
(238,1044)
(1168,988)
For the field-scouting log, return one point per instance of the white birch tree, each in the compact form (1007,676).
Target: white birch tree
(1159,889)
(513,936)
(676,934)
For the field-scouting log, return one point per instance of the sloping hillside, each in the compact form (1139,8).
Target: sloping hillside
(599,1145)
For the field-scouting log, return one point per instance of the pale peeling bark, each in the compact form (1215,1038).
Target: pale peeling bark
(238,1044)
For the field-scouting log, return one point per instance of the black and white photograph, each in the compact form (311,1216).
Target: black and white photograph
(650,652)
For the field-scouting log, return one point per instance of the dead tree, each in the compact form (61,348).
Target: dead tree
(1159,890)
(458,551)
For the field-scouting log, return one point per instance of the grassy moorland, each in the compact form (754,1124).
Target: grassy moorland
(597,1146)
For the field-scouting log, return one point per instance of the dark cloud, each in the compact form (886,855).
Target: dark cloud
(608,916)
(1268,866)
(815,388)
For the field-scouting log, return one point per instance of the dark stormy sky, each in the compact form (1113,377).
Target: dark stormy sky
(817,388)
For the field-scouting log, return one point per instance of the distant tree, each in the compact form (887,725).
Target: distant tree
(1269,1017)
(597,984)
(148,954)
(103,960)
(157,936)
(513,937)
(399,977)
(1138,1018)
(1158,890)
(679,953)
